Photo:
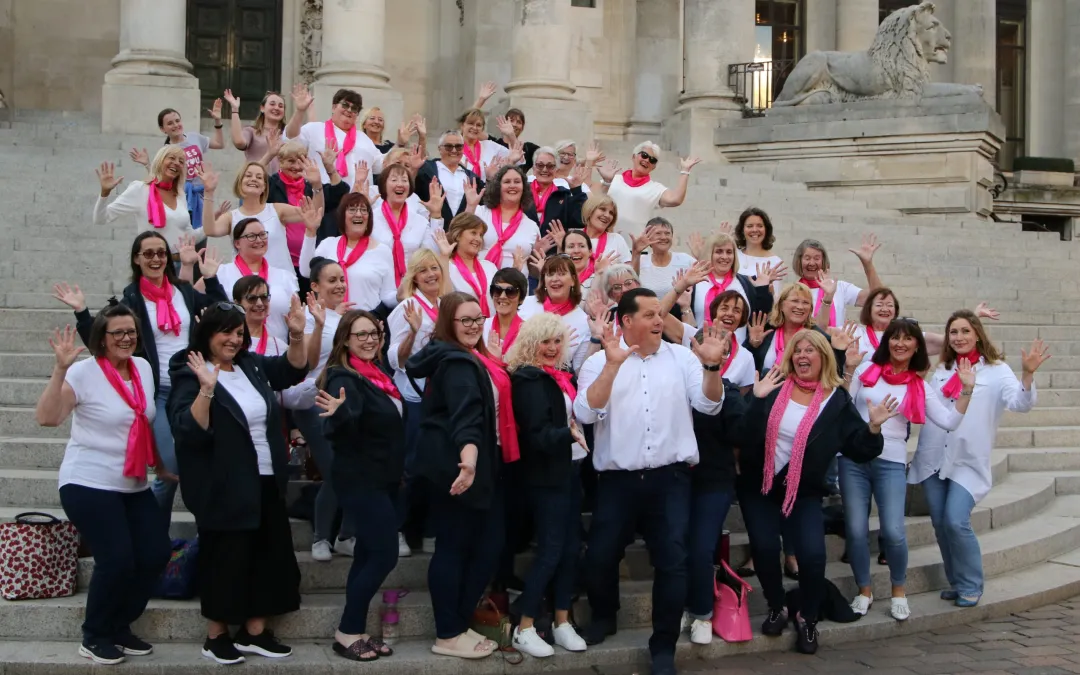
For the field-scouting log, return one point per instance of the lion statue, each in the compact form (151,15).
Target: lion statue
(895,67)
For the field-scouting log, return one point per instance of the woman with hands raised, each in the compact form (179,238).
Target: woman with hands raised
(831,297)
(723,274)
(400,220)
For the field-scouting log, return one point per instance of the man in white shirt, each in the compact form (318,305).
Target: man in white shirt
(347,106)
(452,176)
(640,400)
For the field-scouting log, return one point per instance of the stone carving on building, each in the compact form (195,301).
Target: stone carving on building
(897,65)
(310,40)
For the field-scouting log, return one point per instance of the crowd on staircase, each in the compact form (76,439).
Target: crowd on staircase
(478,349)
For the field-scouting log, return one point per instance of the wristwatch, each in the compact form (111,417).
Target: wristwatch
(711,369)
(596,340)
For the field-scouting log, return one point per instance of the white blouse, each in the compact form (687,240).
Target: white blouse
(576,320)
(526,235)
(636,204)
(255,412)
(846,295)
(277,244)
(282,286)
(418,229)
(168,343)
(399,330)
(964,455)
(615,242)
(371,278)
(865,345)
(313,136)
(489,150)
(459,283)
(132,202)
(302,396)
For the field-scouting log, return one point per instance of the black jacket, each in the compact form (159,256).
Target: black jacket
(367,434)
(717,435)
(543,431)
(458,408)
(423,190)
(132,297)
(838,428)
(563,205)
(332,195)
(761,350)
(761,298)
(219,470)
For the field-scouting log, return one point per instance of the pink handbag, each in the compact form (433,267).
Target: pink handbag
(731,611)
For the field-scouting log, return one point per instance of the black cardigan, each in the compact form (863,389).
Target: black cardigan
(760,297)
(195,302)
(563,205)
(543,432)
(332,196)
(367,434)
(219,470)
(424,175)
(716,436)
(838,428)
(458,408)
(761,350)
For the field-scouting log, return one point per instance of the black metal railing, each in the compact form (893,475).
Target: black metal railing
(757,84)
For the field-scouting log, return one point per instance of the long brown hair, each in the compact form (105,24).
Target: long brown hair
(987,348)
(339,353)
(444,326)
(260,121)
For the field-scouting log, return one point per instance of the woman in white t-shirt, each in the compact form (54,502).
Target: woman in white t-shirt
(559,293)
(659,267)
(754,238)
(637,195)
(723,275)
(400,220)
(895,370)
(103,486)
(507,198)
(831,298)
(478,154)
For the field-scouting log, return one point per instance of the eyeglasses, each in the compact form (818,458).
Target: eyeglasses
(567,154)
(645,155)
(264,298)
(544,166)
(624,286)
(356,208)
(453,147)
(155,253)
(365,335)
(228,307)
(349,108)
(130,334)
(256,236)
(508,291)
(472,321)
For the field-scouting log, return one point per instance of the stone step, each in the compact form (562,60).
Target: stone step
(38,488)
(1027,437)
(1043,459)
(20,421)
(13,364)
(31,319)
(1042,417)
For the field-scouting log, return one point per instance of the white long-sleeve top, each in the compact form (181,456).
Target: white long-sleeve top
(525,236)
(489,150)
(647,422)
(132,203)
(576,319)
(418,229)
(964,455)
(895,430)
(399,330)
(371,278)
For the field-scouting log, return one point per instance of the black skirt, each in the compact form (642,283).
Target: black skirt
(250,574)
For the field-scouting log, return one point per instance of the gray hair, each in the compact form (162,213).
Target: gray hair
(662,222)
(545,150)
(615,272)
(451,132)
(647,145)
(564,144)
(796,262)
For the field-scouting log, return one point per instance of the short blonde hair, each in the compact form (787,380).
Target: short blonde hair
(421,258)
(719,239)
(464,222)
(542,326)
(776,316)
(157,167)
(829,377)
(595,201)
(238,184)
(292,150)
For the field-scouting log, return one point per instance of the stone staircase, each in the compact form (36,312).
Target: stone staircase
(1029,525)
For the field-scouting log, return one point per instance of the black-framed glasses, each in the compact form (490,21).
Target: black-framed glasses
(645,155)
(508,291)
(255,236)
(264,298)
(129,333)
(365,335)
(228,307)
(154,253)
(544,166)
(471,321)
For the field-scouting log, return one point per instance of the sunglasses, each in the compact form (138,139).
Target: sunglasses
(228,307)
(645,155)
(544,167)
(508,291)
(349,108)
(264,298)
(156,253)
(453,147)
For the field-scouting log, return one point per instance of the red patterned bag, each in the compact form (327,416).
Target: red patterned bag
(38,557)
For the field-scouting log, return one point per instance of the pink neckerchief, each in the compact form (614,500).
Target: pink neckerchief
(954,386)
(168,319)
(628,178)
(914,406)
(375,375)
(263,273)
(731,353)
(502,236)
(347,261)
(431,310)
(264,338)
(511,332)
(477,282)
(155,208)
(813,284)
(874,340)
(541,196)
(716,289)
(508,436)
(561,309)
(601,245)
(798,447)
(396,228)
(341,164)
(140,442)
(473,154)
(563,379)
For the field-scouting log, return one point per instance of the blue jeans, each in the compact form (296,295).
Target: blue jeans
(708,512)
(375,555)
(805,528)
(131,547)
(887,482)
(326,503)
(164,491)
(557,514)
(950,512)
(658,502)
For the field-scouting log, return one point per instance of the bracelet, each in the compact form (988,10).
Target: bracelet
(209,396)
(826,302)
(711,369)
(596,340)
(316,191)
(218,126)
(685,173)
(605,183)
(967,392)
(235,112)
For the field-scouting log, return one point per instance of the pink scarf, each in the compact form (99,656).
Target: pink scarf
(628,178)
(798,448)
(396,228)
(263,273)
(875,341)
(731,354)
(813,284)
(494,256)
(375,375)
(294,232)
(954,386)
(716,289)
(589,270)
(431,310)
(347,261)
(473,155)
(601,244)
(507,424)
(341,164)
(168,320)
(541,198)
(294,188)
(477,282)
(778,344)
(140,442)
(155,208)
(914,405)
(562,309)
(563,379)
(264,337)
(511,332)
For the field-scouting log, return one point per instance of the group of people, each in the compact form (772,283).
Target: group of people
(472,346)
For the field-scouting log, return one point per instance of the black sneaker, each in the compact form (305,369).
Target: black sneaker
(222,650)
(774,623)
(263,644)
(597,631)
(807,641)
(132,646)
(101,652)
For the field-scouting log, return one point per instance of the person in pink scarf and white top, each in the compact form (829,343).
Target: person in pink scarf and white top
(559,293)
(798,419)
(510,232)
(954,467)
(340,133)
(401,221)
(103,486)
(469,272)
(831,297)
(479,152)
(895,370)
(636,193)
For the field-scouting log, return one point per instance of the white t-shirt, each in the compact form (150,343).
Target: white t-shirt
(660,279)
(748,266)
(132,203)
(302,396)
(277,244)
(489,150)
(399,330)
(313,135)
(525,236)
(615,242)
(576,319)
(459,283)
(254,407)
(846,294)
(636,205)
(168,343)
(282,285)
(418,228)
(371,277)
(865,345)
(789,426)
(100,423)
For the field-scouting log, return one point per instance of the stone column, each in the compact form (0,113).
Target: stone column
(1072,81)
(820,25)
(150,72)
(540,84)
(716,34)
(974,45)
(856,24)
(352,58)
(1045,95)
(655,58)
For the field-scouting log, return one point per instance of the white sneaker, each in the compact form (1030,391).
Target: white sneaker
(899,609)
(429,545)
(403,550)
(567,638)
(345,546)
(531,643)
(861,604)
(321,551)
(701,632)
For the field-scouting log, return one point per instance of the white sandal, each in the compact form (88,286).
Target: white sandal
(899,609)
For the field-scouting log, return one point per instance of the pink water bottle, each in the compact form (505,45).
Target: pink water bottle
(390,616)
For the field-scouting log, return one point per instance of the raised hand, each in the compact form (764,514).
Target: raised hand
(494,345)
(966,373)
(415,158)
(222,208)
(843,337)
(312,216)
(985,311)
(697,245)
(327,403)
(209,178)
(557,232)
(697,273)
(852,354)
(311,172)
(596,307)
(71,296)
(295,319)
(404,132)
(413,316)
(1034,357)
(329,160)
(578,175)
(520,256)
(613,350)
(867,248)
(215,111)
(436,198)
(207,376)
(517,153)
(188,254)
(607,260)
(647,239)
(140,156)
(472,197)
(685,298)
(446,249)
(882,412)
(608,170)
(773,380)
(536,261)
(360,182)
(233,102)
(688,163)
(209,262)
(766,273)
(63,346)
(301,97)
(594,155)
(487,90)
(714,346)
(828,284)
(420,125)
(106,174)
(726,228)
(316,308)
(756,332)
(344,308)
(506,128)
